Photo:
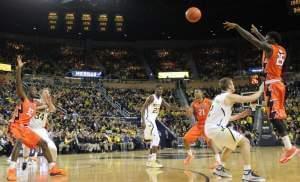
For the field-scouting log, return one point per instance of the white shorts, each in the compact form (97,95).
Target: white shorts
(151,132)
(43,133)
(224,137)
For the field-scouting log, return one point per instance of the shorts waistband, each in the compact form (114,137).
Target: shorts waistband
(272,81)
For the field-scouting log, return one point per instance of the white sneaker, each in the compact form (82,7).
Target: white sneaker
(249,175)
(222,172)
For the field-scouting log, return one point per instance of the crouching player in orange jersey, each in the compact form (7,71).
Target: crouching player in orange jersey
(20,130)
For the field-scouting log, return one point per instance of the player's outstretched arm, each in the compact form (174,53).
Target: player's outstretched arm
(241,115)
(145,105)
(234,98)
(249,37)
(255,31)
(19,87)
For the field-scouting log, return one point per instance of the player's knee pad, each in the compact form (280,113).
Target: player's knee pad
(280,127)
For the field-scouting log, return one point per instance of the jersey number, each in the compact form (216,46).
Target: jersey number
(280,58)
(155,110)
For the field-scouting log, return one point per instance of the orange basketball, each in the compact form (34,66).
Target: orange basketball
(193,14)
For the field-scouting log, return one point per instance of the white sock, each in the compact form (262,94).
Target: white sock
(149,157)
(287,142)
(153,157)
(218,158)
(190,152)
(12,165)
(247,167)
(51,165)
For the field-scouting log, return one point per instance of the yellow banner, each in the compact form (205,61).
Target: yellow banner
(5,67)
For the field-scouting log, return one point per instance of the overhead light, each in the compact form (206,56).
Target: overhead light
(103,21)
(86,21)
(119,23)
(69,20)
(52,20)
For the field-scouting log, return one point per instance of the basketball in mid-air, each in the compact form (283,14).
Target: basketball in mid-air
(193,14)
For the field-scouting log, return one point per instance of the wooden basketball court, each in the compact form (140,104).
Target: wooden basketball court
(130,167)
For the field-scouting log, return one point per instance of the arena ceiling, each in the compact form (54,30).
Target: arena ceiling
(147,19)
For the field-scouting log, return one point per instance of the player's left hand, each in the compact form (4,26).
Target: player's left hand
(245,113)
(229,26)
(20,63)
(254,29)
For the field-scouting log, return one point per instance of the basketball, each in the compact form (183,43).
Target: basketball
(193,14)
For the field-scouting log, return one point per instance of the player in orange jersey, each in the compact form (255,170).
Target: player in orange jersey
(20,130)
(199,108)
(274,56)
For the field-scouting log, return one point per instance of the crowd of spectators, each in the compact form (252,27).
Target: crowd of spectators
(128,63)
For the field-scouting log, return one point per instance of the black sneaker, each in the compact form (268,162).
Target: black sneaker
(250,175)
(222,172)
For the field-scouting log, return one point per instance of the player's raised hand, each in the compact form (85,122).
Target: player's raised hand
(20,63)
(229,25)
(254,29)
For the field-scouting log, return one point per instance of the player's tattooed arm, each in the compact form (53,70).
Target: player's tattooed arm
(20,90)
(143,109)
(249,37)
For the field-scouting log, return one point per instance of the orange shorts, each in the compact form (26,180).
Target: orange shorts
(275,99)
(194,133)
(25,134)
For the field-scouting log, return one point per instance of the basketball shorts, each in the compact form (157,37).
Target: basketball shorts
(224,137)
(275,100)
(25,134)
(196,132)
(151,132)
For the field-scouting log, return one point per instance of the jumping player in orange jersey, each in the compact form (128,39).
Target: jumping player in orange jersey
(199,108)
(20,130)
(274,57)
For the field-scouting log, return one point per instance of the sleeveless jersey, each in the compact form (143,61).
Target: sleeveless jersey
(152,110)
(40,120)
(219,114)
(24,112)
(273,65)
(201,109)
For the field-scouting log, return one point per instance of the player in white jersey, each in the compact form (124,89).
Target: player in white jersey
(226,138)
(149,113)
(39,123)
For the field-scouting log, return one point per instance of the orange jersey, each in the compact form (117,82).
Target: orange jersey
(24,112)
(273,65)
(201,109)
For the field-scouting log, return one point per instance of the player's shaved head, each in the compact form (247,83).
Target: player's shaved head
(274,37)
(198,94)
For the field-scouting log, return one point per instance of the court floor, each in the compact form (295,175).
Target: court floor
(130,167)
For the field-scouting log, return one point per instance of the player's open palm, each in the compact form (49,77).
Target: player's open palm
(229,26)
(20,63)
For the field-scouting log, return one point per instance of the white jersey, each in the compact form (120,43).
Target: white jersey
(39,121)
(153,109)
(219,114)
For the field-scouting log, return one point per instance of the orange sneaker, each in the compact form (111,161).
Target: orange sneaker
(188,159)
(11,175)
(55,171)
(288,154)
